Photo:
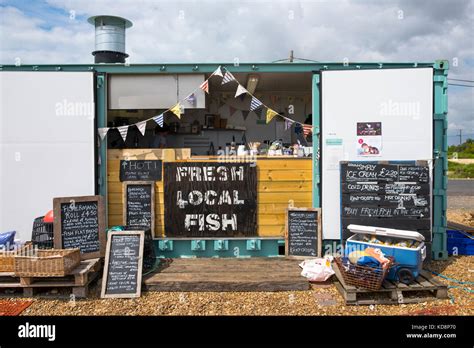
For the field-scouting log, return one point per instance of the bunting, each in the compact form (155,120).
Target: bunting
(270,114)
(142,127)
(240,90)
(307,129)
(176,110)
(191,99)
(228,77)
(232,110)
(159,120)
(218,72)
(255,104)
(103,132)
(205,86)
(123,132)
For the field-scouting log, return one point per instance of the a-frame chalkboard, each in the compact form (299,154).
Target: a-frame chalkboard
(303,233)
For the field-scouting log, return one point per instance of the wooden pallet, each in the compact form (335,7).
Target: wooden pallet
(78,281)
(227,274)
(425,288)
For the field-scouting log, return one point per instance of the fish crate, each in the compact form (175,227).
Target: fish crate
(47,263)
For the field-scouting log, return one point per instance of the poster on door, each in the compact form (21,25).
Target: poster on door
(369,139)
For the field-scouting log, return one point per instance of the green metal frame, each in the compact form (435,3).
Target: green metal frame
(272,246)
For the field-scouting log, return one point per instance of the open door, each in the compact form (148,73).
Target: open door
(397,102)
(47,143)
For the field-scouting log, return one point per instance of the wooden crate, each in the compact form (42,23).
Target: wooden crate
(47,263)
(77,282)
(425,288)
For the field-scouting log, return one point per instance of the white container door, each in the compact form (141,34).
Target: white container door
(47,143)
(400,99)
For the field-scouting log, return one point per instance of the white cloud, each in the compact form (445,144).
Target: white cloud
(216,31)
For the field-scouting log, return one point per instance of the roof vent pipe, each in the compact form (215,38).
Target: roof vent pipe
(109,38)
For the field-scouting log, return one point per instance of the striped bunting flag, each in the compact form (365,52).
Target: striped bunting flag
(123,132)
(205,86)
(227,78)
(159,120)
(307,129)
(255,104)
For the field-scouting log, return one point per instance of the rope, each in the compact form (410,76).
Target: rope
(451,279)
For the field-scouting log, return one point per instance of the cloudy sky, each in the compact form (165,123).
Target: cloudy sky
(56,31)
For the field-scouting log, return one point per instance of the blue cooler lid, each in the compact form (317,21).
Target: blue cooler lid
(386,232)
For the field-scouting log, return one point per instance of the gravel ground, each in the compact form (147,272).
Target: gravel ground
(264,303)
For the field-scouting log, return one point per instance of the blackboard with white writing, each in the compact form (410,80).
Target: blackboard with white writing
(79,222)
(123,264)
(139,204)
(210,199)
(140,170)
(303,232)
(386,195)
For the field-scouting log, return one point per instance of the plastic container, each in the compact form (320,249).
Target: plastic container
(460,243)
(42,234)
(408,261)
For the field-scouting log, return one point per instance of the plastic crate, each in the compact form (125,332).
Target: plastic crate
(460,243)
(42,235)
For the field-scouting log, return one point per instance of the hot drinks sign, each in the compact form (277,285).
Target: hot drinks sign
(210,199)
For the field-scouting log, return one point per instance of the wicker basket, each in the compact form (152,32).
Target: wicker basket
(7,258)
(362,276)
(47,263)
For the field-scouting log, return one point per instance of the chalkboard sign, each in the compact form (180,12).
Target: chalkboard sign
(387,195)
(79,222)
(139,207)
(210,199)
(140,170)
(303,232)
(122,276)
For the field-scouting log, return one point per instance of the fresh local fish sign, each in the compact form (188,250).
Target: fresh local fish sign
(210,199)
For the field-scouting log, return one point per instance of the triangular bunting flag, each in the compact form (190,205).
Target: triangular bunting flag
(218,72)
(141,127)
(191,99)
(176,110)
(205,86)
(232,110)
(227,78)
(240,90)
(123,132)
(288,124)
(255,104)
(245,113)
(307,129)
(159,120)
(270,114)
(103,132)
(259,112)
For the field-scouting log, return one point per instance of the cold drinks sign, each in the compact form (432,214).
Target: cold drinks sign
(210,199)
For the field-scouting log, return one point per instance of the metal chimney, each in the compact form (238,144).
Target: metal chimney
(109,38)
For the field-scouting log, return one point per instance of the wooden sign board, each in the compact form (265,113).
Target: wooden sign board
(303,233)
(79,222)
(139,204)
(141,170)
(122,276)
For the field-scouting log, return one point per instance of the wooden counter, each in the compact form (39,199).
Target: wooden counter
(280,180)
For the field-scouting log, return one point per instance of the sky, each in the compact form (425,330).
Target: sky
(56,31)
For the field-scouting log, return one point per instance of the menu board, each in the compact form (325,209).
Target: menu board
(383,194)
(139,207)
(122,276)
(303,233)
(140,170)
(79,222)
